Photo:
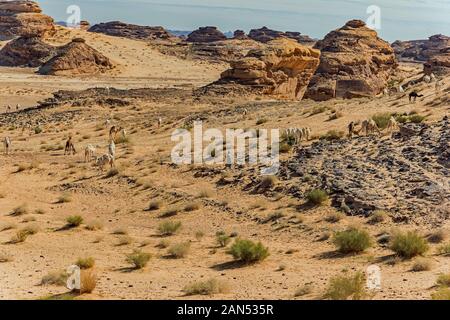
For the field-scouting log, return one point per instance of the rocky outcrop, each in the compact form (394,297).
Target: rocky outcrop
(206,34)
(76,58)
(265,35)
(26,52)
(24,18)
(421,50)
(439,64)
(85,25)
(239,35)
(282,69)
(354,62)
(407,176)
(131,31)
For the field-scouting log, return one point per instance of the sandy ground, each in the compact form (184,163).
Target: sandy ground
(296,258)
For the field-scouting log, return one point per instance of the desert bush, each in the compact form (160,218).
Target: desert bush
(347,287)
(441,294)
(85,263)
(317,110)
(333,135)
(443,280)
(208,287)
(192,207)
(138,259)
(437,236)
(336,115)
(74,221)
(304,290)
(268,182)
(317,197)
(444,249)
(88,280)
(169,228)
(64,198)
(169,213)
(416,118)
(20,211)
(30,230)
(382,119)
(56,278)
(261,121)
(205,193)
(422,265)
(378,217)
(94,225)
(352,240)
(179,250)
(154,205)
(124,240)
(199,235)
(285,147)
(222,239)
(334,217)
(409,244)
(112,172)
(37,130)
(120,231)
(248,251)
(20,236)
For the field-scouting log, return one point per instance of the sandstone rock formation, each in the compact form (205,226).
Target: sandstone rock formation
(76,58)
(23,18)
(85,25)
(131,31)
(206,34)
(354,62)
(439,64)
(283,69)
(239,35)
(421,50)
(26,52)
(265,35)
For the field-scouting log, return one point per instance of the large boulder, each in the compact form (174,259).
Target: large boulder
(24,18)
(26,52)
(131,31)
(282,69)
(421,50)
(354,62)
(76,58)
(206,34)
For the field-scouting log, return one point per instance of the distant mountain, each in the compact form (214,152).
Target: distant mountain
(181,33)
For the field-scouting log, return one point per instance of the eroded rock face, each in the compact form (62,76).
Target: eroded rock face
(421,50)
(407,176)
(206,34)
(265,35)
(131,31)
(76,58)
(26,52)
(240,35)
(282,69)
(439,64)
(24,18)
(354,62)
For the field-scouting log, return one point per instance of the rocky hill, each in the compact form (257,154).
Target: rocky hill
(355,62)
(282,69)
(26,52)
(76,58)
(421,50)
(206,34)
(265,35)
(407,176)
(131,31)
(24,18)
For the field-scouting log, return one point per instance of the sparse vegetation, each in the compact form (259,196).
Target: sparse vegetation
(20,211)
(422,264)
(302,291)
(138,259)
(248,251)
(382,119)
(443,280)
(441,294)
(88,281)
(444,249)
(317,197)
(334,217)
(154,205)
(64,198)
(208,287)
(55,278)
(222,239)
(378,217)
(168,228)
(179,250)
(74,221)
(85,263)
(347,287)
(352,240)
(409,244)
(332,135)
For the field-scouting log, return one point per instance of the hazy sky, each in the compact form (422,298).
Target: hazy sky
(400,19)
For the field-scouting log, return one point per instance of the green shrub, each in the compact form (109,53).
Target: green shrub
(248,251)
(208,287)
(85,263)
(441,294)
(416,118)
(332,135)
(317,197)
(138,259)
(443,280)
(382,119)
(74,221)
(56,278)
(444,249)
(347,287)
(409,244)
(37,130)
(352,240)
(222,239)
(179,250)
(169,228)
